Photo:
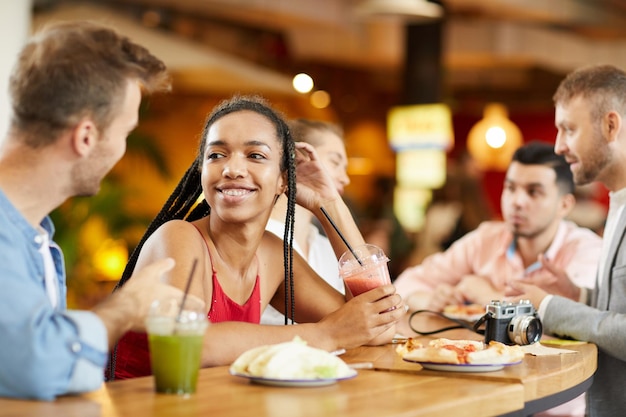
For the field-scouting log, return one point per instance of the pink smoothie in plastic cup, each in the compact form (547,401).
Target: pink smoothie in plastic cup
(369,273)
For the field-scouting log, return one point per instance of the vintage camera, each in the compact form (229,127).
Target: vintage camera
(512,323)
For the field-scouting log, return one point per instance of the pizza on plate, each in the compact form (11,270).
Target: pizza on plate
(458,352)
(467,311)
(408,346)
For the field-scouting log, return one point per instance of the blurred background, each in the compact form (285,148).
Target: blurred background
(433,97)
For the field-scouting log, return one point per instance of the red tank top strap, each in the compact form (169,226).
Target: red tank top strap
(223,308)
(207,248)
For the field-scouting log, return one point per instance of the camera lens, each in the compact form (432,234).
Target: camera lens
(525,330)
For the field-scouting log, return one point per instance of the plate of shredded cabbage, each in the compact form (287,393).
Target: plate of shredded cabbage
(291,363)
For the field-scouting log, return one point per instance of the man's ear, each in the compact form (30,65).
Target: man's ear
(612,124)
(84,137)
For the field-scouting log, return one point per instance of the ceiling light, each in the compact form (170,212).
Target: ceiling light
(493,140)
(407,9)
(302,83)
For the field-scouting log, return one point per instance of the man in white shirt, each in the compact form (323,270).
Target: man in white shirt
(315,248)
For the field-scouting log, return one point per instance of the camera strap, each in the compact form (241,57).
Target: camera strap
(460,324)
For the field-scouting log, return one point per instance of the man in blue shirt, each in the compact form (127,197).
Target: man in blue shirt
(75,91)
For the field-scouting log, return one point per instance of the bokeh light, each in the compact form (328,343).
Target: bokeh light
(302,83)
(495,136)
(320,99)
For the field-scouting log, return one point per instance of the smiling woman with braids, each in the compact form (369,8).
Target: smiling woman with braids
(246,160)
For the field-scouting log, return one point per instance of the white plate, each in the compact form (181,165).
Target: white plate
(294,382)
(464,367)
(464,317)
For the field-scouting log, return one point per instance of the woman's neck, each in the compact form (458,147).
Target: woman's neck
(233,245)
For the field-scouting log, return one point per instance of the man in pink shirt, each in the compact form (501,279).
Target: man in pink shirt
(532,240)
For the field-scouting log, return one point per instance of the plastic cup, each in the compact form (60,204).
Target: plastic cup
(176,344)
(371,272)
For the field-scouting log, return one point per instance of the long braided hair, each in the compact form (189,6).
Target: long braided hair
(182,202)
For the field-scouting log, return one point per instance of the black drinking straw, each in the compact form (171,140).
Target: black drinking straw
(332,223)
(182,304)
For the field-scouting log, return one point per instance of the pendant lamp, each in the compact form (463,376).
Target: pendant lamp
(493,140)
(412,10)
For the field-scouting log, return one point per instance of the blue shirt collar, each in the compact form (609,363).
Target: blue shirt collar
(510,254)
(20,221)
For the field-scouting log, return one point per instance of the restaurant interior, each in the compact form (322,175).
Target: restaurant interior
(415,85)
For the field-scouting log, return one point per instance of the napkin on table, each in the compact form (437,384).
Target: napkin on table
(537,349)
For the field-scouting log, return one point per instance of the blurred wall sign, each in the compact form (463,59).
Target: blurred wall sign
(420,134)
(420,126)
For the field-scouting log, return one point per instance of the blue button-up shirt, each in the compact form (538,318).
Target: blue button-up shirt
(44,351)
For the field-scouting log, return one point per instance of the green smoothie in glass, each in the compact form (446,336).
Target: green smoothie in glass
(175,362)
(175,338)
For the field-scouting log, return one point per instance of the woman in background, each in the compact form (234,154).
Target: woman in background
(314,247)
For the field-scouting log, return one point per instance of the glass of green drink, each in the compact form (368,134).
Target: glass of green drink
(175,337)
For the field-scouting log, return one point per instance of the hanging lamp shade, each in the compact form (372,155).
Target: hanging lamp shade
(493,140)
(410,10)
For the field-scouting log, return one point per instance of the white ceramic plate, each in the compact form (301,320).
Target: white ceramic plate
(465,367)
(464,317)
(294,382)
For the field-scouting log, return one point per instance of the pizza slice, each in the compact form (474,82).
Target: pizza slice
(440,351)
(497,353)
(435,355)
(457,352)
(469,345)
(408,346)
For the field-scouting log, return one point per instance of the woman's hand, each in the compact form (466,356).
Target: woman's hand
(369,318)
(314,184)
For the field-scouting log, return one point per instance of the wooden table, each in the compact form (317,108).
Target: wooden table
(394,388)
(371,393)
(548,380)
